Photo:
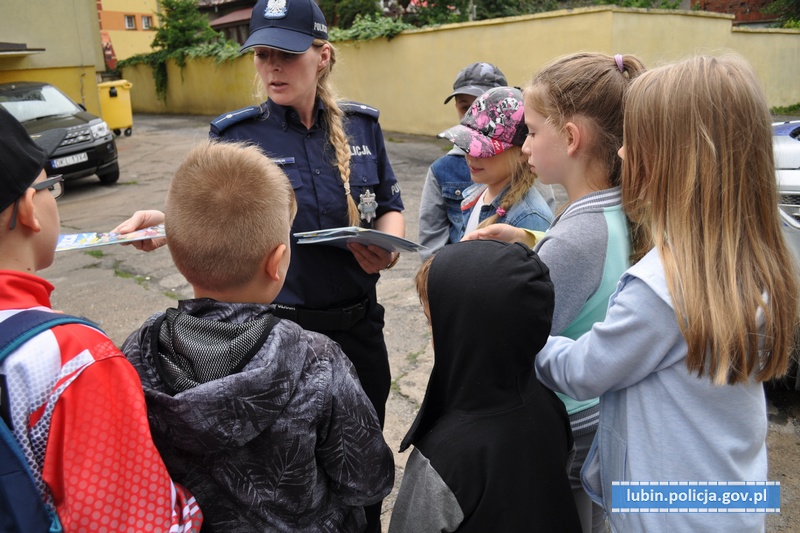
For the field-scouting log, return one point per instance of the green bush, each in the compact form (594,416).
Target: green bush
(645,4)
(369,27)
(183,32)
(348,10)
(792,110)
(787,11)
(328,8)
(437,12)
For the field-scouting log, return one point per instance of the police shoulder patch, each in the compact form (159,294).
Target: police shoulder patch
(226,120)
(362,109)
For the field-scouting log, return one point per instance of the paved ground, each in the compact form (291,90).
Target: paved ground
(119,287)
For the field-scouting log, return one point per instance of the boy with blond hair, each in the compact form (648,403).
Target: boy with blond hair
(73,404)
(265,422)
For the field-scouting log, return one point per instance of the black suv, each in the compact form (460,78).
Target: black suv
(89,146)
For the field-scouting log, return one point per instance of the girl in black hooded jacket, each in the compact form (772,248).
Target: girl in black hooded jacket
(492,446)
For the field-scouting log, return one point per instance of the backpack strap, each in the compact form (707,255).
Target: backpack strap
(23,326)
(29,510)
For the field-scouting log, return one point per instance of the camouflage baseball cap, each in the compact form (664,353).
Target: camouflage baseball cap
(494,123)
(476,79)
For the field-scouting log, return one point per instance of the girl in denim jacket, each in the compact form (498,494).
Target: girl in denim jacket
(491,134)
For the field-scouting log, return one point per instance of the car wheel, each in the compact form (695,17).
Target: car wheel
(110,176)
(117,132)
(128,132)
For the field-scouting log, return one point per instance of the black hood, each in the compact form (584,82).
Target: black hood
(491,306)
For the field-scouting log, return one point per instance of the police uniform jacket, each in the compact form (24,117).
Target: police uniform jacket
(321,277)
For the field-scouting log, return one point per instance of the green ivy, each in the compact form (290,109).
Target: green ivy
(183,32)
(792,110)
(157,61)
(368,27)
(220,51)
(644,4)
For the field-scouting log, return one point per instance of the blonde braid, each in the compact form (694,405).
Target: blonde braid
(333,116)
(522,180)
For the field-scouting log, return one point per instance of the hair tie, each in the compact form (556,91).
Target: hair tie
(501,212)
(346,185)
(620,66)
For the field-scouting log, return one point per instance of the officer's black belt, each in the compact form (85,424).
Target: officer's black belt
(338,319)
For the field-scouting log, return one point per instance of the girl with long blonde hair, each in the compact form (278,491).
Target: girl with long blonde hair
(709,311)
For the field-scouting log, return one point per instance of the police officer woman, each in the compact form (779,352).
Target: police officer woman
(335,158)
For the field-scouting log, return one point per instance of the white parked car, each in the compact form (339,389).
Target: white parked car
(786,143)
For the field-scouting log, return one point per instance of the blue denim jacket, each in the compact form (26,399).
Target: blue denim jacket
(531,212)
(452,173)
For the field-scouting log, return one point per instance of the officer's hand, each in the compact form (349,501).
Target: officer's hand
(499,232)
(141,220)
(372,258)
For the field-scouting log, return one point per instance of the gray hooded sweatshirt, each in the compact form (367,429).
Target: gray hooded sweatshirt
(265,423)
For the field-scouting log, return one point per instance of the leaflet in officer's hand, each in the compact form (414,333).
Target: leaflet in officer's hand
(342,236)
(77,241)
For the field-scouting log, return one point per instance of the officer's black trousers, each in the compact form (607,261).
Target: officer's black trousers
(364,346)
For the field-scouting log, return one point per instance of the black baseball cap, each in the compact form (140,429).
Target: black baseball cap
(288,25)
(477,78)
(22,158)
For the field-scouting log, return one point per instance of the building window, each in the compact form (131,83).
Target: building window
(147,22)
(130,22)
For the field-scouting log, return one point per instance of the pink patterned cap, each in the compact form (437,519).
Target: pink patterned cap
(494,123)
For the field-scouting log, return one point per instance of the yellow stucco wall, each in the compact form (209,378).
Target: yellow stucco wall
(77,83)
(409,77)
(203,87)
(129,7)
(68,30)
(130,43)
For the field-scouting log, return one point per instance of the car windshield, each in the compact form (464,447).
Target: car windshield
(34,103)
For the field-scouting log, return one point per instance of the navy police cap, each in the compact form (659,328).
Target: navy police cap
(288,25)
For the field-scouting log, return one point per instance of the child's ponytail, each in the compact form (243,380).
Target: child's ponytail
(522,179)
(592,87)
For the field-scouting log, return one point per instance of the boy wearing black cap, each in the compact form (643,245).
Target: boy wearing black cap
(70,398)
(440,206)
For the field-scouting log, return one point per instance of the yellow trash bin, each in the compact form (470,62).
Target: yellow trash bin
(115,105)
